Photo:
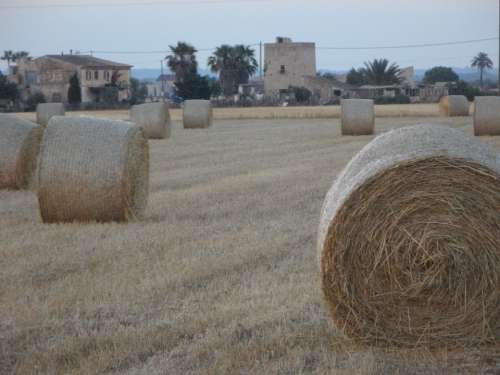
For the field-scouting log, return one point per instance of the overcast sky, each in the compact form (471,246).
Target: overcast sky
(124,26)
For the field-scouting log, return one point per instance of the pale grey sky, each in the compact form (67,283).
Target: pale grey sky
(147,27)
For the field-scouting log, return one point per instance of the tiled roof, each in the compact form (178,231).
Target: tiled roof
(87,60)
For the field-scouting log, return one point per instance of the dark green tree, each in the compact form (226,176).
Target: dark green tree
(215,88)
(138,91)
(182,60)
(463,88)
(381,72)
(356,77)
(193,86)
(20,55)
(234,64)
(302,94)
(8,90)
(440,74)
(110,95)
(8,56)
(74,90)
(482,61)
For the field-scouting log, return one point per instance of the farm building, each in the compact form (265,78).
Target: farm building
(50,75)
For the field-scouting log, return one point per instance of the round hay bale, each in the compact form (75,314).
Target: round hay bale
(45,111)
(454,106)
(487,115)
(197,114)
(19,148)
(93,170)
(409,241)
(358,117)
(154,118)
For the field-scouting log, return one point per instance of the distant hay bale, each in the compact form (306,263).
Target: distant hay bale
(487,115)
(453,106)
(154,118)
(358,117)
(197,114)
(19,148)
(45,111)
(93,170)
(409,241)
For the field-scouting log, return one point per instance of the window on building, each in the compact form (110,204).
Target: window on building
(106,76)
(282,69)
(337,92)
(96,75)
(88,75)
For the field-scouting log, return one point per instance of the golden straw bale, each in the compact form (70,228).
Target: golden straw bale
(409,241)
(197,114)
(19,148)
(154,118)
(454,106)
(487,115)
(358,117)
(93,170)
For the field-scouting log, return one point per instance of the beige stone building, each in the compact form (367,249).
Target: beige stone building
(286,64)
(50,75)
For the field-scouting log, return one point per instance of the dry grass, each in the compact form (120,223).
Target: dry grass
(403,110)
(220,277)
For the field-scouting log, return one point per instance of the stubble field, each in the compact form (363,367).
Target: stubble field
(220,277)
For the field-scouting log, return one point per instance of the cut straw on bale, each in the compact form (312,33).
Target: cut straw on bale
(93,170)
(454,106)
(409,241)
(358,117)
(19,147)
(487,115)
(45,111)
(197,114)
(154,118)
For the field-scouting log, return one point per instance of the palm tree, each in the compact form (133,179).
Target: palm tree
(380,72)
(8,56)
(20,55)
(235,65)
(482,61)
(182,60)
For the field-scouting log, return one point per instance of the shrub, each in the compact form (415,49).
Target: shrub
(398,99)
(35,99)
(302,95)
(466,89)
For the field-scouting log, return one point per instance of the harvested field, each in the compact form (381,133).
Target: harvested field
(403,110)
(221,276)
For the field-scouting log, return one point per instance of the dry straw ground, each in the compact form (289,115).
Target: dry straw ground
(220,277)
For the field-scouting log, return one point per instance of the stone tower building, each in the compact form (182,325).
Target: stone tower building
(287,63)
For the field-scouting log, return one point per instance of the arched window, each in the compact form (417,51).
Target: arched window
(88,75)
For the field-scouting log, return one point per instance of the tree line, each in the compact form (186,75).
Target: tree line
(233,64)
(382,72)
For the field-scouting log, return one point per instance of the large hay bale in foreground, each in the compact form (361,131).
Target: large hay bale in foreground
(154,118)
(19,147)
(197,114)
(45,111)
(358,117)
(409,241)
(93,170)
(487,115)
(454,106)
